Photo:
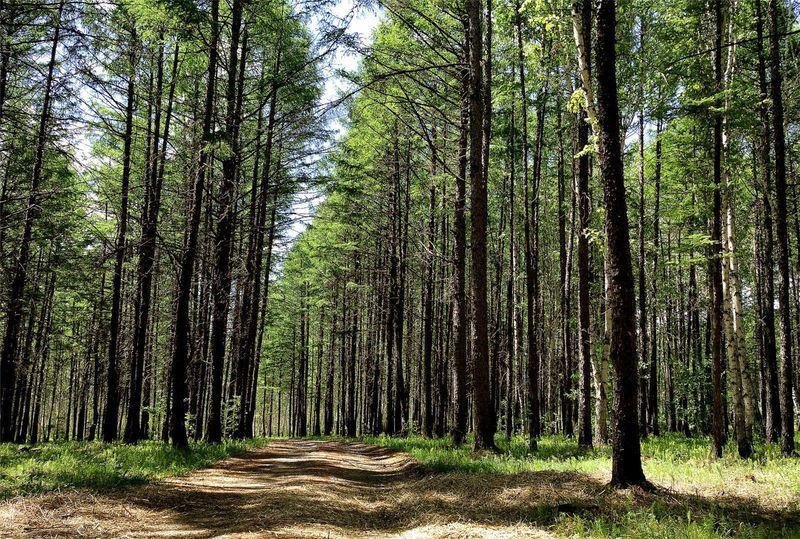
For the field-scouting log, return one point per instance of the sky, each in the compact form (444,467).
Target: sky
(361,22)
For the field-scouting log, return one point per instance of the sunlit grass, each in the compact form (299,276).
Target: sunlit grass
(95,465)
(669,460)
(698,496)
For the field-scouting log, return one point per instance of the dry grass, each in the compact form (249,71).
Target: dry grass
(305,488)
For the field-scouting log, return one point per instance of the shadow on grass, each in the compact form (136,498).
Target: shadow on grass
(304,485)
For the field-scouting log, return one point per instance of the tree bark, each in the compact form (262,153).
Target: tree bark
(459,296)
(715,262)
(626,468)
(221,288)
(584,210)
(781,230)
(111,412)
(180,354)
(482,410)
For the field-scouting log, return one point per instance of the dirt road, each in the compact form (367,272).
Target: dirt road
(294,488)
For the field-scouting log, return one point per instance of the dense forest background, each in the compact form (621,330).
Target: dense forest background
(528,217)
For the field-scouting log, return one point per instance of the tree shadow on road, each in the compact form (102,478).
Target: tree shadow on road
(329,489)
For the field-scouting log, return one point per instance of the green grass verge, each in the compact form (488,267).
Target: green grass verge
(698,497)
(99,466)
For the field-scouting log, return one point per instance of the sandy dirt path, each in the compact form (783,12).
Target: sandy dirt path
(293,488)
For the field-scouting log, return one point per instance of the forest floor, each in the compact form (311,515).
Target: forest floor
(328,488)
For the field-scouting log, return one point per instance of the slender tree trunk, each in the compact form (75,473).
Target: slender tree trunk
(221,289)
(180,353)
(427,402)
(781,230)
(330,375)
(460,388)
(643,337)
(530,278)
(350,408)
(652,387)
(111,413)
(584,210)
(317,428)
(481,402)
(715,262)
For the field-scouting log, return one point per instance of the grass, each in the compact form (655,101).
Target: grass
(696,496)
(100,466)
(560,488)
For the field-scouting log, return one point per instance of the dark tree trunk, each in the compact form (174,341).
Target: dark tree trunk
(221,288)
(718,426)
(330,375)
(317,427)
(511,329)
(111,412)
(584,209)
(460,389)
(781,229)
(391,316)
(180,355)
(530,263)
(427,401)
(350,420)
(643,337)
(483,412)
(301,411)
(652,387)
(626,466)
(401,409)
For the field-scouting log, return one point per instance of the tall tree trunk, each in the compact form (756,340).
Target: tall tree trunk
(482,410)
(459,297)
(715,262)
(401,407)
(392,290)
(584,302)
(744,416)
(317,428)
(181,332)
(643,337)
(221,288)
(652,387)
(301,415)
(781,229)
(530,284)
(111,412)
(626,468)
(766,316)
(427,390)
(327,428)
(350,410)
